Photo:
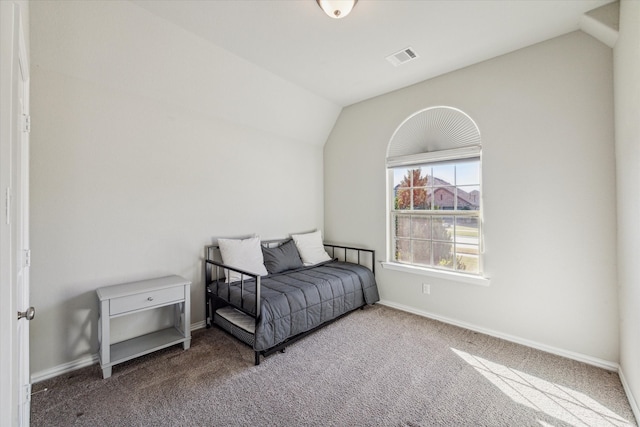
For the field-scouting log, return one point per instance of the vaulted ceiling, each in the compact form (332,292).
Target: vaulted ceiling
(343,60)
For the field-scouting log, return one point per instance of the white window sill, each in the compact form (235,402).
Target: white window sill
(440,274)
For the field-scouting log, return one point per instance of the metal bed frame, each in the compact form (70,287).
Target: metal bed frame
(214,273)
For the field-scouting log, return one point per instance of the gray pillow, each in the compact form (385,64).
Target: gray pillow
(284,257)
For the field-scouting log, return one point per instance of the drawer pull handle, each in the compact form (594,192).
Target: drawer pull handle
(150,299)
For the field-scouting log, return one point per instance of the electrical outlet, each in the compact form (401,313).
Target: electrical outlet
(426,288)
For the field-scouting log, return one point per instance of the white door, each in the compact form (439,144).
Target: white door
(23,253)
(14,236)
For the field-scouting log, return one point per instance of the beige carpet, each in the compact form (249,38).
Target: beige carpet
(375,367)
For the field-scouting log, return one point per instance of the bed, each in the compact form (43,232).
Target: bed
(270,311)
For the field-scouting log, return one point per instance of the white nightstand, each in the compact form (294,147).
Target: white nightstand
(129,298)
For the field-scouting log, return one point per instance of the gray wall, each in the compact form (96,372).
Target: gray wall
(627,108)
(147,143)
(545,114)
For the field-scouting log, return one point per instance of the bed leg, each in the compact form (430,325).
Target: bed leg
(257,358)
(283,350)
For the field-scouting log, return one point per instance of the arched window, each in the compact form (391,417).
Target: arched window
(434,190)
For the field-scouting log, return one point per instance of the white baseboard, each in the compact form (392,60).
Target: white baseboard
(630,397)
(81,362)
(601,363)
(199,325)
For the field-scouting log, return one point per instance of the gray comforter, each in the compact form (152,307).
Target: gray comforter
(297,301)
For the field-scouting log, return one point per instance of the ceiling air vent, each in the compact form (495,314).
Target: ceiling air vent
(405,55)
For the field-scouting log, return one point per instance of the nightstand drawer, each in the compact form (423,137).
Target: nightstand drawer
(146,299)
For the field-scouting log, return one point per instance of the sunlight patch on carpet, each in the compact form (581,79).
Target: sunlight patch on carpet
(555,400)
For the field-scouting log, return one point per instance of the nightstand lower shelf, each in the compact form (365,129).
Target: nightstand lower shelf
(135,347)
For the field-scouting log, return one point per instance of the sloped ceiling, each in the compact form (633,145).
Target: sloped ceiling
(343,60)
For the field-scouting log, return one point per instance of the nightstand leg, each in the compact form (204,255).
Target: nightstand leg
(106,372)
(104,337)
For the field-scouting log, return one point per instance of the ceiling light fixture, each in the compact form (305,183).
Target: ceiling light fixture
(337,8)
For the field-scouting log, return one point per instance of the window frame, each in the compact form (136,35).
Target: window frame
(457,155)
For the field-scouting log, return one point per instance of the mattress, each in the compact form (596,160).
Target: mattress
(295,301)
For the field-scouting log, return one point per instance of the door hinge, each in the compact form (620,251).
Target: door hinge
(27,258)
(27,124)
(27,390)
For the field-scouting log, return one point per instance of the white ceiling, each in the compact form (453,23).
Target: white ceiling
(343,60)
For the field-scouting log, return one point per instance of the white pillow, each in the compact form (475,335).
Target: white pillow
(311,248)
(245,254)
